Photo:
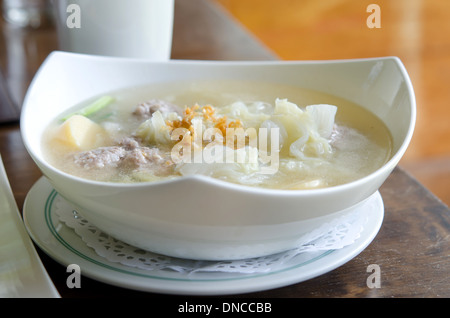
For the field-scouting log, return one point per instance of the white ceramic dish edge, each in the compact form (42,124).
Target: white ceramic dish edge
(380,84)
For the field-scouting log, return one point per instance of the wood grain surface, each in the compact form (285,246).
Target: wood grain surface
(414,30)
(412,247)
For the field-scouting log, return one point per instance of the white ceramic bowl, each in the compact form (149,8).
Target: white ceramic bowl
(199,217)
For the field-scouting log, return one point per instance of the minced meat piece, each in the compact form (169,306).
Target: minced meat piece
(140,156)
(129,143)
(147,159)
(100,157)
(128,156)
(146,109)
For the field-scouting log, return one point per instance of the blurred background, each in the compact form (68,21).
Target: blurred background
(416,31)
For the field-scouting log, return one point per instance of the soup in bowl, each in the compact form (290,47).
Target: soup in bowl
(216,160)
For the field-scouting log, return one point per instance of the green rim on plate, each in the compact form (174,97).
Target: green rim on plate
(51,225)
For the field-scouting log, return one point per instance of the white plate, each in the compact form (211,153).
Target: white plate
(62,244)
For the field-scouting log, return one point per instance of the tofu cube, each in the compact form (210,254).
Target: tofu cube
(80,133)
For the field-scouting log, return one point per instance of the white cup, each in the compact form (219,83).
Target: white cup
(124,28)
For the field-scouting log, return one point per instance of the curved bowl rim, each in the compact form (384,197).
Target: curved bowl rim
(210,181)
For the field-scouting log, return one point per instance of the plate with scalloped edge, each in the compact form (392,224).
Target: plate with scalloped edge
(63,245)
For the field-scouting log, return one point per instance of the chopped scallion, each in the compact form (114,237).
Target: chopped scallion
(93,108)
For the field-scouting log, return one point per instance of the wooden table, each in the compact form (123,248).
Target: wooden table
(412,248)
